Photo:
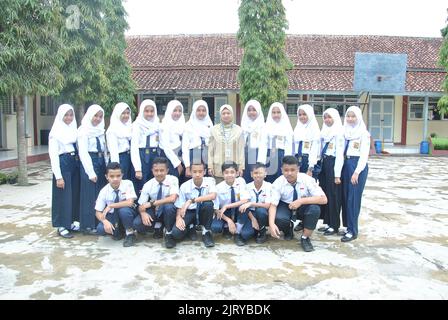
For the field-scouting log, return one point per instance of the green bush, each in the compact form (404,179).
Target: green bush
(9,177)
(440,143)
(3,178)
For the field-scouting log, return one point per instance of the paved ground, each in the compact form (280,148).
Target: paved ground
(402,251)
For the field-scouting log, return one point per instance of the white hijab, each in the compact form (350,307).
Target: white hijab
(247,124)
(152,125)
(175,126)
(62,132)
(356,131)
(310,130)
(86,128)
(120,129)
(281,128)
(200,127)
(327,133)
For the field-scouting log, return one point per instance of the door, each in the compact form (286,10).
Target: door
(211,106)
(381,119)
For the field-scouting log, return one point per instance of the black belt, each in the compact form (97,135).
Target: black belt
(327,156)
(128,152)
(68,153)
(351,157)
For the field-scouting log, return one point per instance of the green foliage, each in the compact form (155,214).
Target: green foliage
(440,143)
(262,73)
(442,105)
(10,178)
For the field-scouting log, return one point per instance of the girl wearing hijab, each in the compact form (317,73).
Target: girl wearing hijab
(65,166)
(307,140)
(118,137)
(171,132)
(276,141)
(252,124)
(145,142)
(226,144)
(332,159)
(196,137)
(355,169)
(92,148)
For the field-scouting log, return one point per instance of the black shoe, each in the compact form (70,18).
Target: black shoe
(89,232)
(129,241)
(261,237)
(342,233)
(289,234)
(329,232)
(65,233)
(322,229)
(117,235)
(306,244)
(158,233)
(299,227)
(169,241)
(226,233)
(207,238)
(347,239)
(192,235)
(239,241)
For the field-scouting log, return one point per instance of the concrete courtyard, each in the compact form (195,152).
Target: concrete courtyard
(401,253)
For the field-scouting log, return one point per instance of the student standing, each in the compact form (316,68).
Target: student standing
(171,133)
(65,167)
(276,141)
(226,144)
(119,136)
(252,124)
(355,169)
(92,151)
(145,142)
(196,137)
(307,140)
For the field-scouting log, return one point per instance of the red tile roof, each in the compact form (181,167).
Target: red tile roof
(325,63)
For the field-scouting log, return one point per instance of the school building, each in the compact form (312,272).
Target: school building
(191,67)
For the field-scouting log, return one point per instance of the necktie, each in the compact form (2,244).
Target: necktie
(257,195)
(198,205)
(324,150)
(159,197)
(148,141)
(346,147)
(98,145)
(115,216)
(148,145)
(295,196)
(299,152)
(232,200)
(117,196)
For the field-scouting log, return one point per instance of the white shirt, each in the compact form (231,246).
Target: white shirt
(107,195)
(56,148)
(224,192)
(306,187)
(359,148)
(166,144)
(336,149)
(139,141)
(86,145)
(253,139)
(309,147)
(116,146)
(188,191)
(267,143)
(150,189)
(265,192)
(190,141)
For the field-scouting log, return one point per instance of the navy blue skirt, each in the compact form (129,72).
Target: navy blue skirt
(250,156)
(274,165)
(147,156)
(65,202)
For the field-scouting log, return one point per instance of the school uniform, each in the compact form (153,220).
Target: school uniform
(252,131)
(166,213)
(64,165)
(356,153)
(263,195)
(306,144)
(144,144)
(120,218)
(332,159)
(92,150)
(119,136)
(197,213)
(196,137)
(171,133)
(283,193)
(276,142)
(230,194)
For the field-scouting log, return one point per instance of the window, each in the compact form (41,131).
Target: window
(292,103)
(49,105)
(338,102)
(7,104)
(417,106)
(162,100)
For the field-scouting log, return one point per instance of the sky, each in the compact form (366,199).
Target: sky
(338,17)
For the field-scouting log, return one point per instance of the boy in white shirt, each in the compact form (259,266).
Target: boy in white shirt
(115,206)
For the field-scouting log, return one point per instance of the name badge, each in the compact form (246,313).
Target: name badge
(254,135)
(306,145)
(355,145)
(157,138)
(330,146)
(228,153)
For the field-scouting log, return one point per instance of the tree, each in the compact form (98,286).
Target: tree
(261,34)
(31,54)
(442,105)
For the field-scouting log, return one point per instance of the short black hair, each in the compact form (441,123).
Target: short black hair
(258,165)
(200,163)
(112,166)
(160,160)
(290,160)
(229,164)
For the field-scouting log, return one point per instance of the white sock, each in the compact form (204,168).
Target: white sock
(204,231)
(168,232)
(129,232)
(304,238)
(157,225)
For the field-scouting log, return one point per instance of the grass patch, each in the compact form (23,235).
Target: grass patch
(440,143)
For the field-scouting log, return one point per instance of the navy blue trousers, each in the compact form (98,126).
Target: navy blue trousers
(65,202)
(89,192)
(250,157)
(274,165)
(205,219)
(124,216)
(304,164)
(352,194)
(126,166)
(309,214)
(247,231)
(167,216)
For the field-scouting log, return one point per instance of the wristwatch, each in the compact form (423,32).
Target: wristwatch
(151,202)
(193,200)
